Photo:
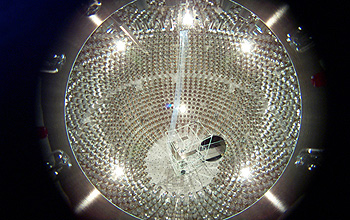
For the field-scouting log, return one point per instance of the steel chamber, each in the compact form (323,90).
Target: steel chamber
(183,110)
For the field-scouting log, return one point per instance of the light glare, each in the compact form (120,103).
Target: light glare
(121,46)
(245,172)
(182,108)
(275,201)
(88,200)
(117,172)
(277,15)
(246,46)
(187,19)
(96,20)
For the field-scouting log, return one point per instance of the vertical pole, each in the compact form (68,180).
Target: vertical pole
(179,77)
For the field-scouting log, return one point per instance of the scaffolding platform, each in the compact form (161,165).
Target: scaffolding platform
(185,148)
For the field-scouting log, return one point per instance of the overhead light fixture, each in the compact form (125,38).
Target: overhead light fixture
(187,19)
(121,46)
(117,172)
(246,46)
(245,172)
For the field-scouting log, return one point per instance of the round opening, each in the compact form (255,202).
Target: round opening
(215,147)
(221,74)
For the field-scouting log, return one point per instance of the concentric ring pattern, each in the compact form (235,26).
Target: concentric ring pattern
(238,82)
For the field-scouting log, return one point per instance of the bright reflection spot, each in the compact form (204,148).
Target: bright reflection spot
(277,15)
(275,201)
(96,20)
(87,201)
(187,19)
(245,172)
(121,45)
(117,172)
(246,46)
(182,108)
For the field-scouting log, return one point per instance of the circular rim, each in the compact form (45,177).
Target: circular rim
(78,188)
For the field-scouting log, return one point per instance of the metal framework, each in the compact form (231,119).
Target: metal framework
(185,149)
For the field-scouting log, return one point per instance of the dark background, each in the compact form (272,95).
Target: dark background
(29,28)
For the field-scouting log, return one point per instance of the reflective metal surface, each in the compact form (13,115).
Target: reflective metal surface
(241,78)
(237,81)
